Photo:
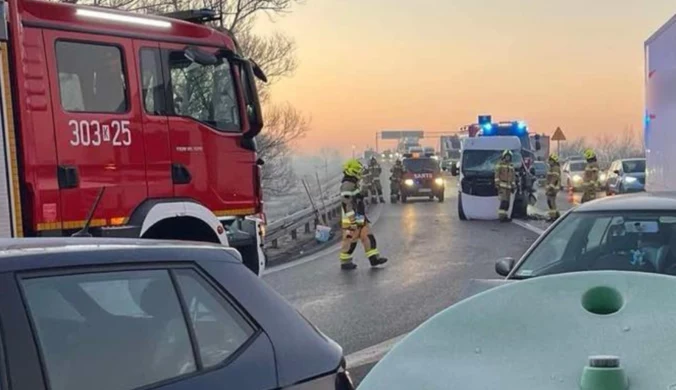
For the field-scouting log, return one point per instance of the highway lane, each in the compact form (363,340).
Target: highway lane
(432,256)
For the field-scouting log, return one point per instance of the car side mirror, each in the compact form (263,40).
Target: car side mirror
(504,266)
(253,106)
(617,171)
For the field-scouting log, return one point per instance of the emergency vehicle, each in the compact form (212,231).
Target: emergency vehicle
(477,194)
(124,125)
(422,177)
(660,116)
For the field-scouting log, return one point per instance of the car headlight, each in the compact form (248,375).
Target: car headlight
(629,179)
(439,181)
(577,178)
(408,182)
(602,177)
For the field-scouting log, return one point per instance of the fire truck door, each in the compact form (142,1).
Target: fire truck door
(205,131)
(154,103)
(98,129)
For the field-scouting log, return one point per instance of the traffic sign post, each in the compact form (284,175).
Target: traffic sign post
(558,136)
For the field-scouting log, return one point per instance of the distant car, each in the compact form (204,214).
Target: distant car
(635,232)
(627,175)
(572,174)
(88,313)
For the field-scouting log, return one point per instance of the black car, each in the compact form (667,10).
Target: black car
(86,313)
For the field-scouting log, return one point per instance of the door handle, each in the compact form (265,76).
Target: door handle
(180,174)
(67,177)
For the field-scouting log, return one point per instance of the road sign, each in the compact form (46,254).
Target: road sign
(558,135)
(399,134)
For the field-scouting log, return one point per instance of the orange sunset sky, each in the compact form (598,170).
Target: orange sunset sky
(369,65)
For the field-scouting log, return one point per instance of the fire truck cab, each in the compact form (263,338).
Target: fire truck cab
(117,124)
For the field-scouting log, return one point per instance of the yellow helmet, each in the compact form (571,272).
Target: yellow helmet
(506,153)
(353,167)
(589,154)
(553,158)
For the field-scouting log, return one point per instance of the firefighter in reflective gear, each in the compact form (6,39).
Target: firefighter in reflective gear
(376,185)
(590,182)
(553,186)
(396,174)
(505,177)
(354,223)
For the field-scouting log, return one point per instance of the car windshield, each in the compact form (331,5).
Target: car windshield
(625,241)
(421,165)
(486,160)
(577,166)
(633,166)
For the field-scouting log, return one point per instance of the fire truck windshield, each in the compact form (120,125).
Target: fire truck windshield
(421,165)
(205,93)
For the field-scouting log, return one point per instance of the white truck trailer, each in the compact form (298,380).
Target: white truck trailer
(660,108)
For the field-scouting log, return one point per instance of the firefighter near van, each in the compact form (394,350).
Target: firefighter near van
(590,183)
(354,223)
(505,177)
(396,175)
(553,186)
(376,186)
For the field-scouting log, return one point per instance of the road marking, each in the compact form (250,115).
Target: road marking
(528,226)
(318,255)
(372,354)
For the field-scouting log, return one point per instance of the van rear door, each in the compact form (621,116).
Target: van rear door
(98,128)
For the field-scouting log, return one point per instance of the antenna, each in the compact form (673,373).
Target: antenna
(84,232)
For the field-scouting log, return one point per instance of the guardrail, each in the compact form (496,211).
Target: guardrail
(305,218)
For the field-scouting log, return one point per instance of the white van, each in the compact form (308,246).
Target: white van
(477,194)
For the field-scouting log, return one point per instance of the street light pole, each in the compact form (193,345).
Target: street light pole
(376,142)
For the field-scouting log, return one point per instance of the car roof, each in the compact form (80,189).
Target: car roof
(642,201)
(39,253)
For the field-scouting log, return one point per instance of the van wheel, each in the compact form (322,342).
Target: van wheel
(461,212)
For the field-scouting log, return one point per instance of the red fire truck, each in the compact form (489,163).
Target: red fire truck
(123,125)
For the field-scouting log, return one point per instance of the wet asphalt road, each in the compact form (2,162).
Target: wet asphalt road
(432,255)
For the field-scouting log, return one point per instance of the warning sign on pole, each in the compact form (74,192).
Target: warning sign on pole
(558,135)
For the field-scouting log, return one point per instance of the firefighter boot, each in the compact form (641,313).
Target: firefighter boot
(376,260)
(348,266)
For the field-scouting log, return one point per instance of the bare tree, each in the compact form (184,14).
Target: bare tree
(284,124)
